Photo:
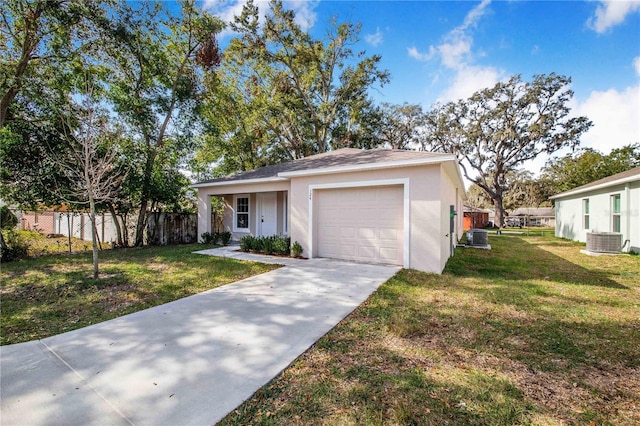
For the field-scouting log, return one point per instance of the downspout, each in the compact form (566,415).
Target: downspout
(627,194)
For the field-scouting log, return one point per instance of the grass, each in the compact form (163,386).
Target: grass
(531,332)
(48,295)
(40,245)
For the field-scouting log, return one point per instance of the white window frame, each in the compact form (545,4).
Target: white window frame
(235,213)
(614,213)
(585,214)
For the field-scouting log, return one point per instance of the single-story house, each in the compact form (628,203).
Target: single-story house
(376,206)
(611,204)
(475,217)
(534,216)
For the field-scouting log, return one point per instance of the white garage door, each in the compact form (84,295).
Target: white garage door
(361,224)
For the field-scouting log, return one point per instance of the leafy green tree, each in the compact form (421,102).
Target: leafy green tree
(158,62)
(287,95)
(497,129)
(402,126)
(588,165)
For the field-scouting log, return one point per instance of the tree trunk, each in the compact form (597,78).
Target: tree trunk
(116,223)
(141,224)
(94,243)
(497,204)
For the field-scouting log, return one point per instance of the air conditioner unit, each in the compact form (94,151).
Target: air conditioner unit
(604,242)
(477,237)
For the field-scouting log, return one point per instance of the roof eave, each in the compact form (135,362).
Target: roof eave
(595,187)
(238,182)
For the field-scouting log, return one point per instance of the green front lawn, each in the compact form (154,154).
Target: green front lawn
(531,332)
(44,296)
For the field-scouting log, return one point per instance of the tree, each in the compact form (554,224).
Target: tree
(497,129)
(287,95)
(588,165)
(90,164)
(158,61)
(401,126)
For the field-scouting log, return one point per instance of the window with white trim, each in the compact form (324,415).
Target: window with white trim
(241,213)
(615,213)
(585,213)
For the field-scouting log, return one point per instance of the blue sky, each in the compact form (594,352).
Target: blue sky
(437,51)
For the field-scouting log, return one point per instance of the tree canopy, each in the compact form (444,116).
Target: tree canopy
(497,129)
(282,94)
(587,165)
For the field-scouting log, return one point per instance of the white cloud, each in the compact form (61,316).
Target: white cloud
(636,65)
(615,122)
(226,10)
(610,13)
(455,49)
(456,54)
(374,39)
(468,80)
(415,54)
(615,118)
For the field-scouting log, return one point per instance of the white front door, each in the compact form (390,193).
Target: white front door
(267,214)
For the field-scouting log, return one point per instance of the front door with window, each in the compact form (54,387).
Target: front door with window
(267,214)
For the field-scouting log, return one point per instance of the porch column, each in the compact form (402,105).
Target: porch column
(204,214)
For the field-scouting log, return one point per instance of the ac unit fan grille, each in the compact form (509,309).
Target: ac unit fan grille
(604,242)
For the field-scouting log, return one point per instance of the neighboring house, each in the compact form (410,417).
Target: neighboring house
(475,217)
(533,216)
(611,204)
(375,206)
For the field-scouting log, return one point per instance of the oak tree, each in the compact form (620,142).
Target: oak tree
(497,129)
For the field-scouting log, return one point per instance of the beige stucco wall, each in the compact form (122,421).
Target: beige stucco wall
(450,195)
(427,239)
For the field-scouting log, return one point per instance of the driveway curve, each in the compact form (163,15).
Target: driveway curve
(187,362)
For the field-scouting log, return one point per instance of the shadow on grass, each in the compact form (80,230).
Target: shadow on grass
(521,260)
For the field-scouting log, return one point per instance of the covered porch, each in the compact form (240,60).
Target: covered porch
(246,210)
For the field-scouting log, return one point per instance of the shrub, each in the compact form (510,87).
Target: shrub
(225,237)
(296,249)
(209,238)
(8,220)
(246,243)
(268,244)
(281,246)
(17,247)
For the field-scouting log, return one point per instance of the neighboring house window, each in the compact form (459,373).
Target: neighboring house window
(585,213)
(615,213)
(241,220)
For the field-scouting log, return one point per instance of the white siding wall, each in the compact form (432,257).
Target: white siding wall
(569,214)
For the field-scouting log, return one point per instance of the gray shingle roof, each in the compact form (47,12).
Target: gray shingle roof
(337,158)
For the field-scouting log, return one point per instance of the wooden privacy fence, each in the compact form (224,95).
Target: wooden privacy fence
(172,228)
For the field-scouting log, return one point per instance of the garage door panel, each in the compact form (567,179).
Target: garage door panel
(389,234)
(367,252)
(361,224)
(347,251)
(388,254)
(367,233)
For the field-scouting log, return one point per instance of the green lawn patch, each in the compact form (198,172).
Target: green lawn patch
(531,332)
(48,295)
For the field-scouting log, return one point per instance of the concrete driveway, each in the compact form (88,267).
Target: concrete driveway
(188,362)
